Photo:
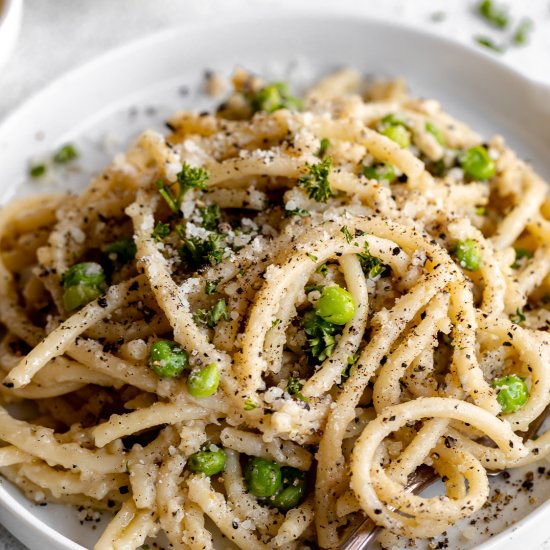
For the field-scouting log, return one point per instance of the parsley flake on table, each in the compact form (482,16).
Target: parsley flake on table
(521,34)
(495,14)
(489,43)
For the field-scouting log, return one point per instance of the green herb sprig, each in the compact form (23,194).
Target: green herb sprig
(188,178)
(320,336)
(214,316)
(316,181)
(372,266)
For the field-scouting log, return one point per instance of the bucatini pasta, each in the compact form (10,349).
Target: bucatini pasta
(269,318)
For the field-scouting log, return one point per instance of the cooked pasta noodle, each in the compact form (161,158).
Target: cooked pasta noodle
(268,319)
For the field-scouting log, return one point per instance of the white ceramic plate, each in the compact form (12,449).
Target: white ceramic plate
(104,104)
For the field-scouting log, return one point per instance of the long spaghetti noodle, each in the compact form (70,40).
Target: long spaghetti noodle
(345,271)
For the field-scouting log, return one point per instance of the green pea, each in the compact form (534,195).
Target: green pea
(323,147)
(89,273)
(477,163)
(208,463)
(436,133)
(513,392)
(468,254)
(380,172)
(399,134)
(263,477)
(168,359)
(336,305)
(80,295)
(396,128)
(205,381)
(83,283)
(273,97)
(292,491)
(393,119)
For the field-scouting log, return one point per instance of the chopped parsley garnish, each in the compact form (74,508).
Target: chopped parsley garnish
(312,257)
(323,146)
(294,387)
(197,252)
(273,97)
(191,178)
(210,287)
(316,181)
(489,43)
(300,212)
(218,312)
(320,336)
(210,216)
(166,194)
(372,266)
(344,229)
(519,317)
(249,405)
(65,154)
(161,231)
(124,249)
(495,14)
(214,316)
(437,168)
(322,270)
(37,171)
(521,35)
(520,254)
(346,373)
(188,178)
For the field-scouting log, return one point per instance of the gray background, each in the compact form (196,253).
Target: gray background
(58,35)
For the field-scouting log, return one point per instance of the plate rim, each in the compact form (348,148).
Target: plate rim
(288,14)
(258,15)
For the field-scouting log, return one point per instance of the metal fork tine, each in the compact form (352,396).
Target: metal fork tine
(367,531)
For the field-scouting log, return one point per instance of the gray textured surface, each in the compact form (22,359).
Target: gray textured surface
(60,34)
